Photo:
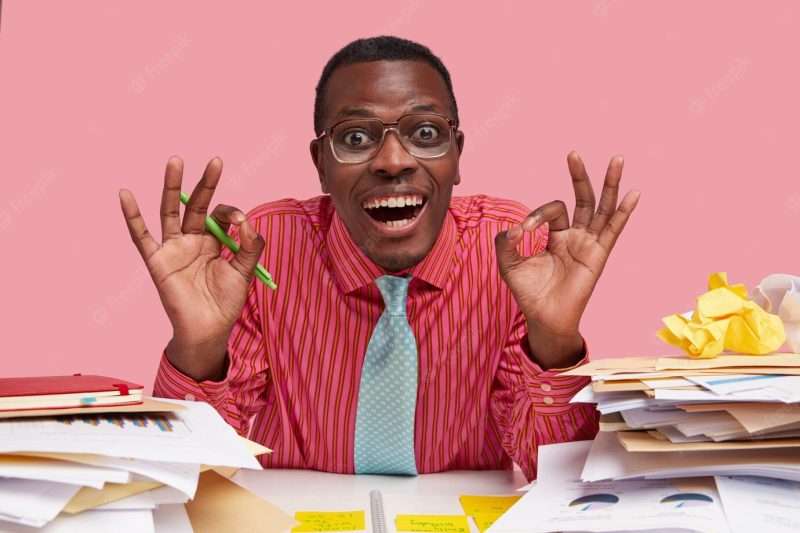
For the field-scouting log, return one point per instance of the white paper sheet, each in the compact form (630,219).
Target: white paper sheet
(561,502)
(608,459)
(172,519)
(679,395)
(182,476)
(167,496)
(33,502)
(93,522)
(142,500)
(779,294)
(195,435)
(746,382)
(61,472)
(760,504)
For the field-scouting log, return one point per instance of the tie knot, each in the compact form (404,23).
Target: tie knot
(394,290)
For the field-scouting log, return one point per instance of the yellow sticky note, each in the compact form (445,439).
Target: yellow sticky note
(487,504)
(329,521)
(484,520)
(432,522)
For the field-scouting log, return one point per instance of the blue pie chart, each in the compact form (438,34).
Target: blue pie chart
(594,502)
(687,499)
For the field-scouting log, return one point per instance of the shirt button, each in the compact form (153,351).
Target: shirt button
(189,397)
(548,400)
(546,387)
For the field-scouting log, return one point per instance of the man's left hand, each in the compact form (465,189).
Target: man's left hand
(553,287)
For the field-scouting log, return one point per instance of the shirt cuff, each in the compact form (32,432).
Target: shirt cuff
(548,388)
(172,383)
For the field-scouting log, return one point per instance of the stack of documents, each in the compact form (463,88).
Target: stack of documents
(672,417)
(114,468)
(561,501)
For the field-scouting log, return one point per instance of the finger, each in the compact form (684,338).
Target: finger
(584,195)
(145,242)
(505,244)
(554,213)
(171,199)
(608,198)
(252,244)
(608,237)
(225,215)
(197,206)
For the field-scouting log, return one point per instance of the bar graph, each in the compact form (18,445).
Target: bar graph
(161,422)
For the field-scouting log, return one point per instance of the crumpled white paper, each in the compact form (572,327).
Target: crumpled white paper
(779,294)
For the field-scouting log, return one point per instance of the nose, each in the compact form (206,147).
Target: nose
(392,160)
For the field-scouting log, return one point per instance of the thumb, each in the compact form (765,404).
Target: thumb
(252,244)
(505,244)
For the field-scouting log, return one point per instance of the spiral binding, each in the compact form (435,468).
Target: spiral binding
(376,511)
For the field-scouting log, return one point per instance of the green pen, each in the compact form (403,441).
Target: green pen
(212,226)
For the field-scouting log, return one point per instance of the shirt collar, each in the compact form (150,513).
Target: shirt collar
(353,269)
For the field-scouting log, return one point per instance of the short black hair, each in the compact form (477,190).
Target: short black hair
(381,48)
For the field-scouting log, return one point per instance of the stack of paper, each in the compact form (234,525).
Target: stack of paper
(561,501)
(123,464)
(729,415)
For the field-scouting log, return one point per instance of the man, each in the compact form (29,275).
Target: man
(411,331)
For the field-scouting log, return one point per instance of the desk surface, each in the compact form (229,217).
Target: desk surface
(305,490)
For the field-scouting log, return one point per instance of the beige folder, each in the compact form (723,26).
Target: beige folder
(642,441)
(148,405)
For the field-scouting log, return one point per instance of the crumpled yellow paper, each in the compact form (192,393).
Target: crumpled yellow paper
(724,319)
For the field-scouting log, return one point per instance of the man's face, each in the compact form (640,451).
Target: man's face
(387,90)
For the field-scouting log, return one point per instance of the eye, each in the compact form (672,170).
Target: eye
(425,133)
(356,138)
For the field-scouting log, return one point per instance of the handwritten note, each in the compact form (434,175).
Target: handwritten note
(487,504)
(484,520)
(432,523)
(329,521)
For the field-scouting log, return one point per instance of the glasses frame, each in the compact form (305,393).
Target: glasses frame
(388,126)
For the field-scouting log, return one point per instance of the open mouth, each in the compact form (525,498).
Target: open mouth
(395,211)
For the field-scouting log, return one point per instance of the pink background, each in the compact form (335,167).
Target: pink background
(700,97)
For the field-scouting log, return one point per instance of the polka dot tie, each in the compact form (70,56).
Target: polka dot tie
(387,397)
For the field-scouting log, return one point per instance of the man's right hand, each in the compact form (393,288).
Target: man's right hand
(202,293)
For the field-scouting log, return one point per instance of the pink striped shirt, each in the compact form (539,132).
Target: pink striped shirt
(295,355)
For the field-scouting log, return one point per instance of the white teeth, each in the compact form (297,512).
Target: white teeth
(393,201)
(397,223)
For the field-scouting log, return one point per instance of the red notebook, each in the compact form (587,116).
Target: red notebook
(62,392)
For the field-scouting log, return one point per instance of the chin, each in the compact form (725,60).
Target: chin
(397,261)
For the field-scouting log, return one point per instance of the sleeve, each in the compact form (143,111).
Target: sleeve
(530,406)
(243,390)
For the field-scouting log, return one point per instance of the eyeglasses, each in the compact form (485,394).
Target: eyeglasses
(358,140)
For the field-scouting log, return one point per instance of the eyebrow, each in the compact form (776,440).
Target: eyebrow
(363,112)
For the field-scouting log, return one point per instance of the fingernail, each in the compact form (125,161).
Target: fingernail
(529,223)
(514,232)
(238,216)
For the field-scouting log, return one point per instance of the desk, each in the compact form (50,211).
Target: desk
(305,490)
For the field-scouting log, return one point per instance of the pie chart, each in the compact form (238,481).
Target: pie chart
(687,499)
(594,502)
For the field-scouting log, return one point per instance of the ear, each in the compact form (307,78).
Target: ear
(317,157)
(459,148)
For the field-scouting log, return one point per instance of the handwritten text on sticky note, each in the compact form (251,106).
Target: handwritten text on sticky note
(329,521)
(432,523)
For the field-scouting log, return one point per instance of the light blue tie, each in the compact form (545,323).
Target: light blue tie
(387,397)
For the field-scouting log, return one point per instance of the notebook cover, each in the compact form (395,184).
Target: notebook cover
(78,383)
